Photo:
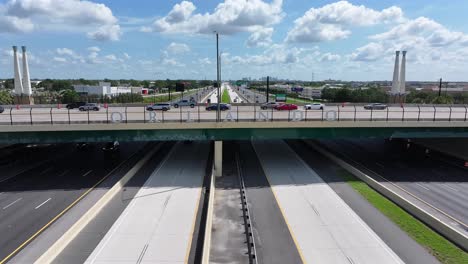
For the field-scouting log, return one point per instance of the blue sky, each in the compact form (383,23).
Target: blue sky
(347,40)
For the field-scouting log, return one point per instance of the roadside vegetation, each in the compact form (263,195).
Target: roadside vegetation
(225,98)
(445,251)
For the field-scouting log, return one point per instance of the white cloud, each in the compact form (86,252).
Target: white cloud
(332,21)
(330,57)
(74,15)
(106,32)
(60,59)
(260,37)
(111,57)
(12,24)
(276,54)
(172,62)
(94,49)
(126,56)
(178,48)
(229,17)
(370,52)
(204,61)
(65,51)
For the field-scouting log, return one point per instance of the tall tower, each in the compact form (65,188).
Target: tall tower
(26,81)
(403,74)
(396,81)
(18,83)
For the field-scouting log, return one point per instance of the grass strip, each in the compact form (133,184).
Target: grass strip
(445,251)
(225,98)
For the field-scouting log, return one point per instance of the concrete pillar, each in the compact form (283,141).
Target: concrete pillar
(396,79)
(26,80)
(403,74)
(18,82)
(218,158)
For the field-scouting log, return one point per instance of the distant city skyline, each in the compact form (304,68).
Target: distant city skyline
(297,40)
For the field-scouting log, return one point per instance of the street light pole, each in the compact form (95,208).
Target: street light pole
(218,112)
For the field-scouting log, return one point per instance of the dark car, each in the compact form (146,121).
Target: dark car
(75,105)
(222,107)
(111,146)
(1,109)
(375,106)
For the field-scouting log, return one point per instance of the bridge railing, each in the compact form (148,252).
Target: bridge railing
(237,113)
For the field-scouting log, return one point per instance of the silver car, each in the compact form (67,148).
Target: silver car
(89,106)
(269,105)
(159,106)
(184,103)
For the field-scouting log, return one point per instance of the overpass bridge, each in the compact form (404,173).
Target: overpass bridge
(242,121)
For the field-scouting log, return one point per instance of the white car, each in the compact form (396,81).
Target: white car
(314,106)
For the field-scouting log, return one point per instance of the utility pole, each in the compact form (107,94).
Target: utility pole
(268,89)
(440,86)
(218,112)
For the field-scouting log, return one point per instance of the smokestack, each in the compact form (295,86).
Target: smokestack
(18,83)
(395,82)
(403,74)
(26,81)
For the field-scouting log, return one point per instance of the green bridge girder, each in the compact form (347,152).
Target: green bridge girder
(230,134)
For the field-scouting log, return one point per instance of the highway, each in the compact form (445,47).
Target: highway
(238,111)
(440,188)
(158,224)
(325,229)
(31,199)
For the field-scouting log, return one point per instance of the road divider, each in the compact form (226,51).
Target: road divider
(79,225)
(442,228)
(209,220)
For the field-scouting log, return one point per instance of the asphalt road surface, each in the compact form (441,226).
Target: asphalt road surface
(33,198)
(441,185)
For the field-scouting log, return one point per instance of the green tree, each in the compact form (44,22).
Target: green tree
(443,99)
(6,98)
(69,96)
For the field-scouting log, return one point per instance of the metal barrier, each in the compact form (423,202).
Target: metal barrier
(237,113)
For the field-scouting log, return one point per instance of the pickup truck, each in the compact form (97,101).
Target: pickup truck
(184,103)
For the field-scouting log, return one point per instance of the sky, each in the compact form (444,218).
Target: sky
(289,39)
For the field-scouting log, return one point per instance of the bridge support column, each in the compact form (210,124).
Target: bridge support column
(218,158)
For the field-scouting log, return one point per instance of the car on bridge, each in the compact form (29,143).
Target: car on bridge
(222,107)
(286,107)
(89,106)
(375,106)
(159,106)
(75,105)
(269,105)
(184,102)
(314,106)
(2,109)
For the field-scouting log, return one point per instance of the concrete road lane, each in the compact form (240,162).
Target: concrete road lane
(398,240)
(325,229)
(439,184)
(157,225)
(274,243)
(34,198)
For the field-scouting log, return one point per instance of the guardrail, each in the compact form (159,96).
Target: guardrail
(237,113)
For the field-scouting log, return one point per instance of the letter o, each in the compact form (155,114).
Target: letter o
(330,118)
(113,117)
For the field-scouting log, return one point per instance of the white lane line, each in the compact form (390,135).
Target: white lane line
(87,173)
(450,187)
(422,186)
(46,170)
(43,203)
(63,173)
(12,203)
(380,165)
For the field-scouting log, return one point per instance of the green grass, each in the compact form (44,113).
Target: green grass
(441,248)
(225,98)
(291,100)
